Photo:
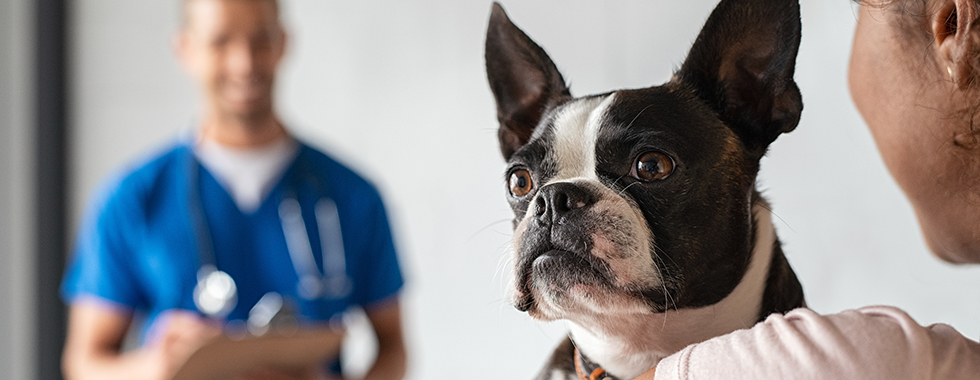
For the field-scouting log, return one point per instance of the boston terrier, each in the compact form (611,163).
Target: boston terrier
(637,217)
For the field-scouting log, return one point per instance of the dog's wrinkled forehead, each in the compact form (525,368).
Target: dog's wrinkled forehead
(571,136)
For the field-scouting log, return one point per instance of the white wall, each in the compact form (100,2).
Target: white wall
(397,89)
(16,183)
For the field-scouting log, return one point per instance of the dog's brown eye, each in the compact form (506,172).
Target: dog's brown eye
(652,166)
(520,183)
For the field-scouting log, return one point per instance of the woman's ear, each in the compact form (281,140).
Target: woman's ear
(952,28)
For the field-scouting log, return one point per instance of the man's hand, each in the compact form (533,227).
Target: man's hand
(173,339)
(96,330)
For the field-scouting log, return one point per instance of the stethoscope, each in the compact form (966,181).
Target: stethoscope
(216,294)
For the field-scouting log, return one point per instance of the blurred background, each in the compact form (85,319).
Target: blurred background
(397,90)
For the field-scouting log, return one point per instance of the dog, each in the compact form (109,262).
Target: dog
(637,217)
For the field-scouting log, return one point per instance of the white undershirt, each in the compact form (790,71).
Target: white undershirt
(247,174)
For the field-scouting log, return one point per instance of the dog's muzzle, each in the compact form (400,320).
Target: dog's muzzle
(555,245)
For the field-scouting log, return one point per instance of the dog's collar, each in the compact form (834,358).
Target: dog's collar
(586,370)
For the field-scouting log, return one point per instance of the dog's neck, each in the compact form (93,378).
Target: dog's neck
(627,345)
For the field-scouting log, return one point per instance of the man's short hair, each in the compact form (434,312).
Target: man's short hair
(185,9)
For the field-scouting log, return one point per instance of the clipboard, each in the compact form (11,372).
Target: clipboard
(224,357)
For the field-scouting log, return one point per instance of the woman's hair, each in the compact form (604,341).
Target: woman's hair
(912,18)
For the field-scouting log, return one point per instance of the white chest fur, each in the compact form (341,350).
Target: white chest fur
(628,344)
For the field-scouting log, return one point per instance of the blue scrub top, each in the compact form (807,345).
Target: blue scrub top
(137,248)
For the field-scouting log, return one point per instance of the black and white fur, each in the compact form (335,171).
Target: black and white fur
(641,268)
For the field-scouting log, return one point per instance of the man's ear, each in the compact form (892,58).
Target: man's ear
(742,65)
(952,28)
(524,81)
(283,44)
(179,43)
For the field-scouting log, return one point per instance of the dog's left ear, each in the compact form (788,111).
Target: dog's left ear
(524,81)
(742,65)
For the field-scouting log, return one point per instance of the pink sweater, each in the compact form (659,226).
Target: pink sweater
(874,342)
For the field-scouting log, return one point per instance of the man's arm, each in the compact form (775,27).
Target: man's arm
(95,336)
(386,320)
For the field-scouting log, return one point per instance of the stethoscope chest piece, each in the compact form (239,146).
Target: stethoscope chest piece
(215,294)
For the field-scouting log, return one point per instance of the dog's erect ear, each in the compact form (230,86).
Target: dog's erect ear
(742,64)
(524,81)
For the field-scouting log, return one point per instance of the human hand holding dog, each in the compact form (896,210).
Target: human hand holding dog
(648,375)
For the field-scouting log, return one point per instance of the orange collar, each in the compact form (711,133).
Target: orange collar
(581,365)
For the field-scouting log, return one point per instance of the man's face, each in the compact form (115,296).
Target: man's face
(232,48)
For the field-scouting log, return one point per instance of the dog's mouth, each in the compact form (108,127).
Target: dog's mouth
(579,260)
(553,273)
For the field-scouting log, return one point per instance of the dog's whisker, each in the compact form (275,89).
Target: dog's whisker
(500,273)
(661,267)
(488,226)
(504,261)
(773,213)
(657,249)
(663,285)
(638,115)
(622,192)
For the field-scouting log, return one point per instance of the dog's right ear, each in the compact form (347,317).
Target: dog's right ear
(524,81)
(742,65)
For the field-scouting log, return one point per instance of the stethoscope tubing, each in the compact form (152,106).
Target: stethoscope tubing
(333,282)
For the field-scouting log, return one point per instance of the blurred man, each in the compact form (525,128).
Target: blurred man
(201,232)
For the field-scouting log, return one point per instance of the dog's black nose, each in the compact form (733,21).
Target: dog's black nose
(558,199)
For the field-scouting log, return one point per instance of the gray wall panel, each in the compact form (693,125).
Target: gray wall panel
(17,326)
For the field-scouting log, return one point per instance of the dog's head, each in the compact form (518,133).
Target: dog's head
(640,200)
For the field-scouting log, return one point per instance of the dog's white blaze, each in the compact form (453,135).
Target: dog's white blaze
(576,129)
(627,344)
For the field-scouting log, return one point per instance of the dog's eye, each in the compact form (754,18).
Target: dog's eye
(652,166)
(520,183)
